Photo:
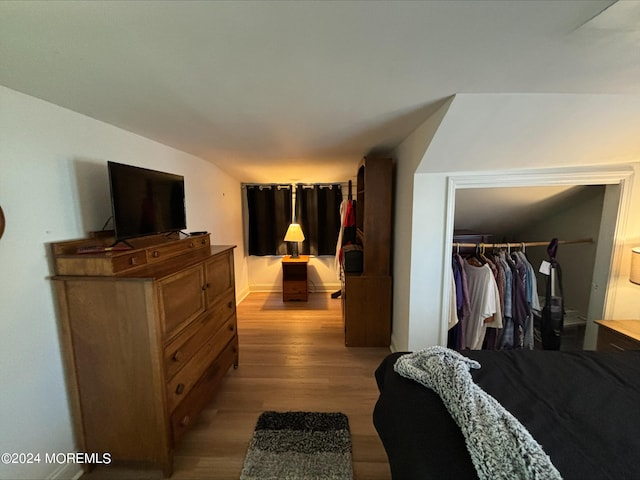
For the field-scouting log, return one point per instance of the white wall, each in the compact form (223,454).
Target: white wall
(408,156)
(577,220)
(54,186)
(505,135)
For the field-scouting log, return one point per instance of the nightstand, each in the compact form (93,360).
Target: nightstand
(294,278)
(618,335)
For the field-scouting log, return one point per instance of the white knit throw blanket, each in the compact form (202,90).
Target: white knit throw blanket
(499,445)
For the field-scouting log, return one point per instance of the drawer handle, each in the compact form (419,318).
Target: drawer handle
(132,261)
(203,242)
(185,421)
(205,286)
(191,245)
(155,254)
(176,356)
(230,304)
(180,389)
(232,327)
(617,347)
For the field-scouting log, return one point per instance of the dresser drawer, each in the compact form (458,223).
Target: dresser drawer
(181,299)
(203,391)
(183,381)
(220,277)
(296,286)
(224,308)
(183,347)
(162,252)
(610,341)
(294,290)
(130,260)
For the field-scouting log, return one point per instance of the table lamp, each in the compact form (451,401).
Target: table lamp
(294,235)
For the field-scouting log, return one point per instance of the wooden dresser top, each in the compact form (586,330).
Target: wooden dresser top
(630,328)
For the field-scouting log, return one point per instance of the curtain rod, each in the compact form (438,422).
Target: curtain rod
(289,185)
(321,185)
(521,244)
(265,185)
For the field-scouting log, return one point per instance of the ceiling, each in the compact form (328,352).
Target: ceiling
(504,212)
(300,91)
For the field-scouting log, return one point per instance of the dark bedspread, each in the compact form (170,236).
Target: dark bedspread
(582,407)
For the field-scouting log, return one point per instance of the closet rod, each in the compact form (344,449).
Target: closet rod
(521,244)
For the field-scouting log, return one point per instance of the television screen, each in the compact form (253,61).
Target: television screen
(145,201)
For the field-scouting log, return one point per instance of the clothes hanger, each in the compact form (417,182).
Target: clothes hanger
(483,253)
(477,259)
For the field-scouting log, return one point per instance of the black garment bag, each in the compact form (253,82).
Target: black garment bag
(552,322)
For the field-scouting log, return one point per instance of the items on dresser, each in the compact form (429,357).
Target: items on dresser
(148,333)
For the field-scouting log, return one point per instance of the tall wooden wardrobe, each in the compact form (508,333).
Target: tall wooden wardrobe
(367,296)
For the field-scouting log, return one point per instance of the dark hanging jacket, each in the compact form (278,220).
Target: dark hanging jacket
(552,322)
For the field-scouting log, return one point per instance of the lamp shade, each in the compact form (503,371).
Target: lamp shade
(634,275)
(294,233)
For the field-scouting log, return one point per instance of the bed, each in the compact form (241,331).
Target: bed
(583,408)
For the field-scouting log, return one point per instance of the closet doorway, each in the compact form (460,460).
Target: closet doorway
(542,207)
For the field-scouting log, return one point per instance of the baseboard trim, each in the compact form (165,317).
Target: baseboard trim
(240,296)
(269,288)
(68,471)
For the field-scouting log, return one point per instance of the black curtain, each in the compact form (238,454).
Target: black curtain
(318,213)
(269,216)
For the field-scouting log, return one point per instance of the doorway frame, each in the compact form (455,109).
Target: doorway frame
(621,175)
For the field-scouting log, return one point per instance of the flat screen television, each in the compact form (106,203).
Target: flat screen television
(145,202)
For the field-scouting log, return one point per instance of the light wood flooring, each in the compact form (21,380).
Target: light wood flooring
(292,357)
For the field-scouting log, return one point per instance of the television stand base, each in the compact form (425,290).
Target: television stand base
(179,233)
(112,246)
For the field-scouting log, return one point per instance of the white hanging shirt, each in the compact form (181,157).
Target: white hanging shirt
(484,302)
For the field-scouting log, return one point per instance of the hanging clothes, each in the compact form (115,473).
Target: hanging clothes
(347,233)
(484,304)
(517,307)
(491,336)
(455,339)
(520,301)
(531,295)
(552,322)
(453,310)
(512,335)
(506,335)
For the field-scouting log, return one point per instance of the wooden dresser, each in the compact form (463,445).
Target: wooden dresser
(618,335)
(148,333)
